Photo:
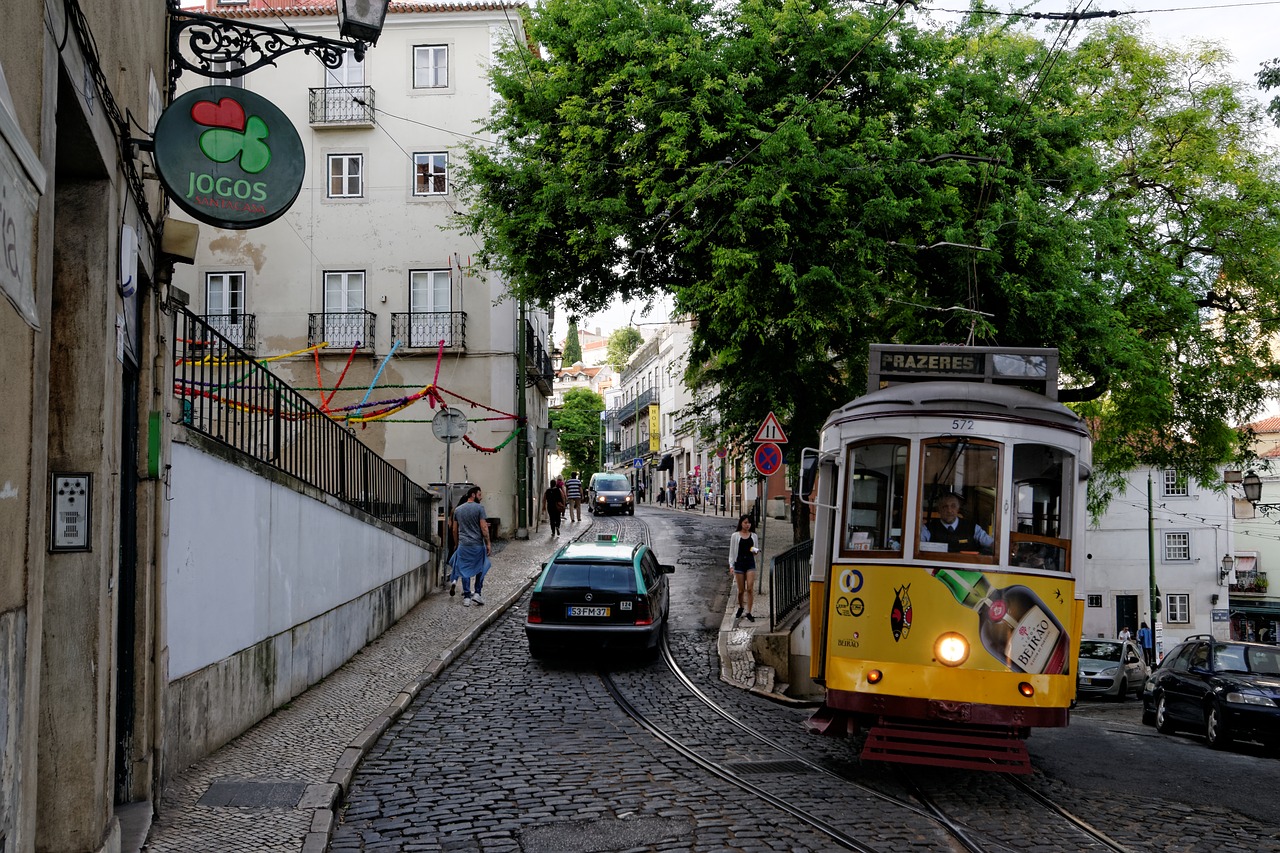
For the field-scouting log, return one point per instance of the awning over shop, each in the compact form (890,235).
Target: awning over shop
(1271,610)
(667,463)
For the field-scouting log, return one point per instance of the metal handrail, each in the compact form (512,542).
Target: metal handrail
(227,395)
(789,582)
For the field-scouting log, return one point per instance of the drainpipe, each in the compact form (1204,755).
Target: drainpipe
(522,419)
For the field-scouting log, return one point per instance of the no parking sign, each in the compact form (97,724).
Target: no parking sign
(768,458)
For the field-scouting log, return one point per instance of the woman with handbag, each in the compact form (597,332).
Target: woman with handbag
(743,547)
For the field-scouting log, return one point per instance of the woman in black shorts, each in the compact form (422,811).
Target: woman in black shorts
(743,547)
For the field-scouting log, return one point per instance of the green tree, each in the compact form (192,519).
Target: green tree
(622,343)
(806,179)
(578,421)
(572,345)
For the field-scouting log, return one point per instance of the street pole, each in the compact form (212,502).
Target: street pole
(1151,572)
(522,420)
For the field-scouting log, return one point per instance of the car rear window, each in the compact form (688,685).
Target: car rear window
(612,484)
(605,577)
(1099,651)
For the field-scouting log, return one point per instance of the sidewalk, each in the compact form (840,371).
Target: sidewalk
(300,760)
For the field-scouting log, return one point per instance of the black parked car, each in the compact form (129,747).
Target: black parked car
(1229,690)
(602,594)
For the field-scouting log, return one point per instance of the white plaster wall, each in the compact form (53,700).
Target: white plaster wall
(249,559)
(1117,556)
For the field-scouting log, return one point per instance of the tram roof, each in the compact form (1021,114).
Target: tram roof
(975,398)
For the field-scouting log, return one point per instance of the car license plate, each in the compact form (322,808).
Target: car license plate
(582,610)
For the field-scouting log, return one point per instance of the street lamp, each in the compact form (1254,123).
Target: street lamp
(1252,485)
(1228,563)
(224,49)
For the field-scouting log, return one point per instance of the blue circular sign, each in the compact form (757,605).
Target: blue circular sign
(768,458)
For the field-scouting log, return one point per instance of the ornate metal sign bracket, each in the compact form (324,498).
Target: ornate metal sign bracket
(224,50)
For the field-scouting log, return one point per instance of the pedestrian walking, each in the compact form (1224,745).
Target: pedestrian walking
(743,547)
(671,492)
(573,492)
(1124,633)
(640,490)
(470,528)
(553,506)
(1145,640)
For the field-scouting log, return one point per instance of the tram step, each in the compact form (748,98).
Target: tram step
(969,748)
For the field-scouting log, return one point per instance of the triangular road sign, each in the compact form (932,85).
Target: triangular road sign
(771,430)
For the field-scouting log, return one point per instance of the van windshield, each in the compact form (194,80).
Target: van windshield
(612,484)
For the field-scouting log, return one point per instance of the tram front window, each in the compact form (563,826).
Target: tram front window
(873,497)
(1042,477)
(960,492)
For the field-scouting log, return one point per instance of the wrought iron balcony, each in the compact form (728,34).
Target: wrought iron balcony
(342,331)
(426,329)
(239,329)
(538,361)
(342,105)
(637,408)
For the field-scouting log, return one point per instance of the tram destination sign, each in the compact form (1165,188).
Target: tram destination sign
(1036,369)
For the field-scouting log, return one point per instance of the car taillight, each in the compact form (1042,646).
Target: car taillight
(535,612)
(643,616)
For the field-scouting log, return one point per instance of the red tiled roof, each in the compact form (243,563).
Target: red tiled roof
(1266,425)
(264,9)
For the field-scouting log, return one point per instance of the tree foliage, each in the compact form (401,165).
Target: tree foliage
(572,345)
(578,422)
(809,178)
(622,343)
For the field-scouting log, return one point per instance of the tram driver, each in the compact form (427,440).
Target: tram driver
(957,534)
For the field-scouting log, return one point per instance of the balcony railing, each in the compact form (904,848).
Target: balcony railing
(342,331)
(1254,582)
(538,361)
(426,329)
(639,407)
(239,329)
(342,105)
(226,395)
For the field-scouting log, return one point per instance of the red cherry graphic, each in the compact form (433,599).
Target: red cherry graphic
(226,113)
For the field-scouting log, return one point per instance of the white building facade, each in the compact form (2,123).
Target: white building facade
(364,294)
(1165,525)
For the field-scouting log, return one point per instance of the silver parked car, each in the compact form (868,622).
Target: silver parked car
(1112,668)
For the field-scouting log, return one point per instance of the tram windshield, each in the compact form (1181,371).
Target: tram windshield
(960,491)
(1042,475)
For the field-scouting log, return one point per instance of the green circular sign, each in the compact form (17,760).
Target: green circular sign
(229,157)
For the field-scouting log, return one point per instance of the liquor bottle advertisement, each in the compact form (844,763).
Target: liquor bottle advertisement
(1013,622)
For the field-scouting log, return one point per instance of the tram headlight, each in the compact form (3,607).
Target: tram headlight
(951,649)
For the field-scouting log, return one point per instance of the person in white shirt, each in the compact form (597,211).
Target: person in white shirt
(959,535)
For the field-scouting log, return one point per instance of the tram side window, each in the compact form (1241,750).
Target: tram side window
(1042,482)
(960,491)
(873,497)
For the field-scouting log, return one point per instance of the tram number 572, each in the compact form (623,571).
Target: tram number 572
(961,424)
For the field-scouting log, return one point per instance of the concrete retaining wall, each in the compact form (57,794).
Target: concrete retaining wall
(268,588)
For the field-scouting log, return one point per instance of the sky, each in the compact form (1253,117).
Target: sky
(1249,30)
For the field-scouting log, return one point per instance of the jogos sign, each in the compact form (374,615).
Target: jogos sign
(229,157)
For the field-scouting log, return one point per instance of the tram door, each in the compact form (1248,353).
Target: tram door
(1127,614)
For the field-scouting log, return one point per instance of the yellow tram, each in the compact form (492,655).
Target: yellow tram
(944,592)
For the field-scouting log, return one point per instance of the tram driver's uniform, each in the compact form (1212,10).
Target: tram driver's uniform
(959,535)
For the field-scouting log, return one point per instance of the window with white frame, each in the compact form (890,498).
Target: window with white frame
(344,308)
(1177,547)
(430,66)
(224,304)
(1178,607)
(430,174)
(430,298)
(223,66)
(346,175)
(343,86)
(1175,484)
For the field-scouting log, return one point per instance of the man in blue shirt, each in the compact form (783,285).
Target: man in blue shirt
(470,526)
(1144,640)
